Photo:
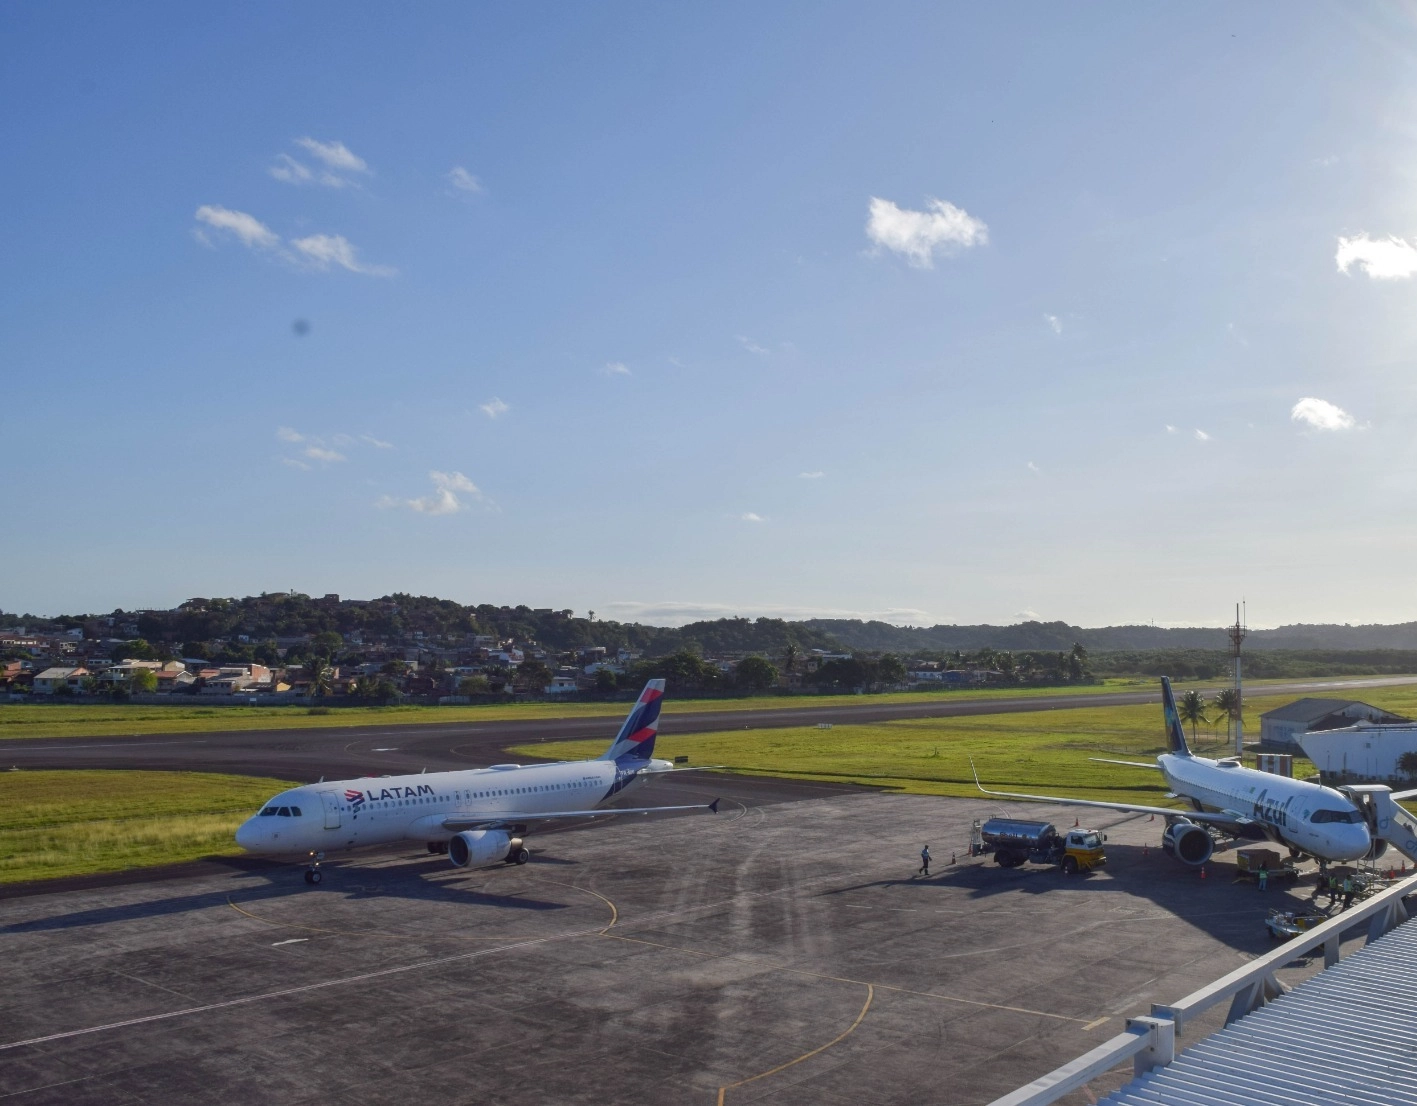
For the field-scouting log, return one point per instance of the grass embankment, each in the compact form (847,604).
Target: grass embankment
(25,720)
(56,824)
(1045,751)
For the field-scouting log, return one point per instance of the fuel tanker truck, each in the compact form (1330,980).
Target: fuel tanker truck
(1014,841)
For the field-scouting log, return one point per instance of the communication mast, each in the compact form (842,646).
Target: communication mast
(1237,635)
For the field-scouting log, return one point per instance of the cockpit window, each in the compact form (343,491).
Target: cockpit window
(284,812)
(270,810)
(295,812)
(1349,816)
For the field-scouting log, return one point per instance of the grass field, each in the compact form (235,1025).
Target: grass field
(27,720)
(74,823)
(1045,751)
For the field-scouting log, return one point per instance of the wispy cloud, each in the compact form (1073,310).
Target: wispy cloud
(1390,258)
(750,516)
(464,181)
(615,368)
(816,474)
(1026,616)
(1054,322)
(293,463)
(336,155)
(1033,468)
(375,442)
(919,236)
(1321,415)
(494,408)
(324,250)
(326,456)
(1202,436)
(286,434)
(323,449)
(447,488)
(291,171)
(753,347)
(249,230)
(1171,429)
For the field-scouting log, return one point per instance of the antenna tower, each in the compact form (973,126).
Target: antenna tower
(1237,635)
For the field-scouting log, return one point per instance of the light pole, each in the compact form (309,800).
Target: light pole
(1237,635)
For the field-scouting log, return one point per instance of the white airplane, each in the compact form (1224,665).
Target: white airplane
(476,816)
(1239,802)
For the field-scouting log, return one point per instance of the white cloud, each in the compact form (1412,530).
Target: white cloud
(447,486)
(1054,322)
(494,407)
(250,230)
(291,171)
(375,442)
(753,347)
(919,235)
(324,250)
(293,463)
(286,434)
(1171,429)
(749,516)
(672,613)
(336,155)
(319,453)
(615,368)
(1033,468)
(1321,414)
(816,475)
(1027,616)
(1202,436)
(464,181)
(1388,258)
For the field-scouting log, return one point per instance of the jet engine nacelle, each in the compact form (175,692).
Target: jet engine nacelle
(1188,842)
(1377,848)
(473,847)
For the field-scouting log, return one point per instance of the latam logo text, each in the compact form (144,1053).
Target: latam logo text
(385,793)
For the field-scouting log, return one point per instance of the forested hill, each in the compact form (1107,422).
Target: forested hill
(882,636)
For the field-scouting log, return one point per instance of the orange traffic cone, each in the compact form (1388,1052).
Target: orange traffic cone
(1152,818)
(1075,823)
(1202,873)
(952,858)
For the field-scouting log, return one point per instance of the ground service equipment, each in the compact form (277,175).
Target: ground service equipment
(1015,841)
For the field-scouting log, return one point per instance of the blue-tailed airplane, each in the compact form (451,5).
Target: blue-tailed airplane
(477,816)
(1244,803)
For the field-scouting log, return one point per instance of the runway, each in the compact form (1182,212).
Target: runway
(346,752)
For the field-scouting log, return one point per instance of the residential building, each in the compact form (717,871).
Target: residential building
(48,681)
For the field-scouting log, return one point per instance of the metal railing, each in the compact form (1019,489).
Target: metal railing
(1150,1042)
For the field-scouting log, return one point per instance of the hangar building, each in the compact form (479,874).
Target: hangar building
(1361,752)
(1281,728)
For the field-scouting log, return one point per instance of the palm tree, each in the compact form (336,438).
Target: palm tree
(1227,700)
(1192,710)
(319,671)
(789,657)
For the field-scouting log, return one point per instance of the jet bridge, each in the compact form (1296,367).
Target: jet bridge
(1387,820)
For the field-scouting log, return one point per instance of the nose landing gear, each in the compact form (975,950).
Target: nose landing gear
(312,871)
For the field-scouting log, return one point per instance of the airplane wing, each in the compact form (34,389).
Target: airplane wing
(492,821)
(1218,819)
(1402,796)
(1128,763)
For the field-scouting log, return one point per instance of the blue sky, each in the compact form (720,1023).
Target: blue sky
(923,312)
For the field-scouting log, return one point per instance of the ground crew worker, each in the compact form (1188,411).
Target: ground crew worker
(924,869)
(1347,892)
(1264,876)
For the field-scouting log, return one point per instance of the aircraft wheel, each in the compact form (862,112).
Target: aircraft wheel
(522,855)
(314,875)
(1070,865)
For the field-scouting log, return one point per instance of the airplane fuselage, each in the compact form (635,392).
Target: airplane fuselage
(352,814)
(1285,808)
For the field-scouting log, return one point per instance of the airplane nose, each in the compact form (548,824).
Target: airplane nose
(246,835)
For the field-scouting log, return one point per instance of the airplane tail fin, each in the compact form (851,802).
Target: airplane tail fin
(635,741)
(1175,732)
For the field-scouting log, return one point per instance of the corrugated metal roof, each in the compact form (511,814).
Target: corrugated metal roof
(1344,1036)
(1308,710)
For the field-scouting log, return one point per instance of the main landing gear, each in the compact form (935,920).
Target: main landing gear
(312,871)
(517,852)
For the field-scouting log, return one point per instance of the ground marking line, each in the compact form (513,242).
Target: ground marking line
(842,979)
(108,745)
(149,983)
(47,1086)
(870,994)
(288,941)
(1096,1023)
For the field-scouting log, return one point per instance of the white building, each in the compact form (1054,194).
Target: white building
(1283,728)
(51,678)
(1361,752)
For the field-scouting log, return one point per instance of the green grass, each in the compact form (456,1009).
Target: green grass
(27,720)
(60,823)
(1045,751)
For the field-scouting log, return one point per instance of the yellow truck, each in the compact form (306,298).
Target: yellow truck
(1015,841)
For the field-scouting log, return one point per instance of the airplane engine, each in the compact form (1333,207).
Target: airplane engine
(1187,842)
(473,847)
(1377,848)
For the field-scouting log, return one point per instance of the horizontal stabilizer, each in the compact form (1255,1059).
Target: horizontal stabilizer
(1128,763)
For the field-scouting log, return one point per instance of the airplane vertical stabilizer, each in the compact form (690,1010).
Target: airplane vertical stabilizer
(1175,732)
(635,741)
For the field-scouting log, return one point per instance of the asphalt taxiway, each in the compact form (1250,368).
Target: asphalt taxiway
(779,952)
